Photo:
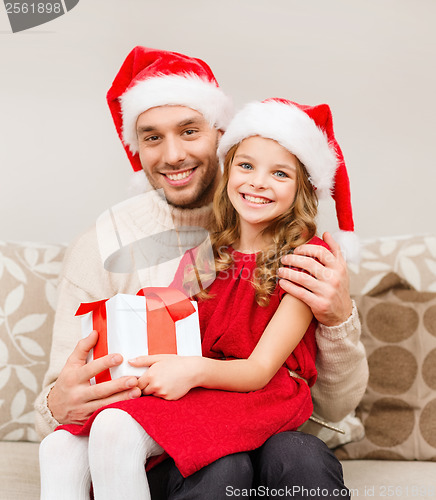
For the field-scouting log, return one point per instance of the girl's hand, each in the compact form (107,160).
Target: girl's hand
(169,376)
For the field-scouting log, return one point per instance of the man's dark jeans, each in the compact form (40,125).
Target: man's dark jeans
(289,465)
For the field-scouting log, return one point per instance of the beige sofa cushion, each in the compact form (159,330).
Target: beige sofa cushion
(28,280)
(19,471)
(399,407)
(384,479)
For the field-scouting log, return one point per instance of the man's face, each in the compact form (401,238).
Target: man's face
(177,149)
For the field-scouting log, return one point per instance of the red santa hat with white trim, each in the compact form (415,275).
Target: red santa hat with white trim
(307,132)
(149,78)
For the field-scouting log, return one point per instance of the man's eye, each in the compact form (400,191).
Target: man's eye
(280,174)
(151,138)
(189,132)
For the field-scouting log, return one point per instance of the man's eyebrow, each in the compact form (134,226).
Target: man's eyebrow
(190,121)
(146,128)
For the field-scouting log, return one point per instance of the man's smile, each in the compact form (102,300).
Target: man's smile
(179,178)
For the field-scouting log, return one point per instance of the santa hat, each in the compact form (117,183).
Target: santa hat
(307,132)
(150,78)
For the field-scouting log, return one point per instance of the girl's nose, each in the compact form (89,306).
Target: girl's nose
(258,180)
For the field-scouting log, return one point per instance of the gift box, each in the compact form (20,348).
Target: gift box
(158,320)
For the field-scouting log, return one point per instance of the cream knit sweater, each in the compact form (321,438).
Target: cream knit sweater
(342,366)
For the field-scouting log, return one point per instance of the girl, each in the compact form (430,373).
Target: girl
(258,343)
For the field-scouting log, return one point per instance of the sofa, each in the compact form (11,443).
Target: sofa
(392,454)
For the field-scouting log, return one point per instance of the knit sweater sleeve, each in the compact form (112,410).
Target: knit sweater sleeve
(342,369)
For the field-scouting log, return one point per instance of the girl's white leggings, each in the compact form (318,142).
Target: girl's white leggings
(113,457)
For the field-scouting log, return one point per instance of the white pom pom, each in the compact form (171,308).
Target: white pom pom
(350,245)
(138,184)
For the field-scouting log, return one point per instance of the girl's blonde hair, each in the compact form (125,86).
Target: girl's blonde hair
(289,230)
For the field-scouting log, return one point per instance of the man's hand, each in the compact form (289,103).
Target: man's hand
(73,399)
(169,376)
(326,288)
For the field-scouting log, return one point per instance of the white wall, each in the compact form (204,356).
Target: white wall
(373,61)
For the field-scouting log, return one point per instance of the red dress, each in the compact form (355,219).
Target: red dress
(207,424)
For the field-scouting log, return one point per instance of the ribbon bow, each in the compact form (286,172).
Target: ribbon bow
(164,307)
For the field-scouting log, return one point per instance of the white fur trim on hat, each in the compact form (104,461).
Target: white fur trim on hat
(294,130)
(187,90)
(350,245)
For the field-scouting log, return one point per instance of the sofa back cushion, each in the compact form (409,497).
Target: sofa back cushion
(412,258)
(398,409)
(28,282)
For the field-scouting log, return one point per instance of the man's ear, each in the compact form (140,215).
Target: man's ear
(220,133)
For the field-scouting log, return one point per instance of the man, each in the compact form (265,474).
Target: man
(169,113)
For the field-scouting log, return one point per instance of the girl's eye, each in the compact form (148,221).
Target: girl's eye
(280,174)
(245,166)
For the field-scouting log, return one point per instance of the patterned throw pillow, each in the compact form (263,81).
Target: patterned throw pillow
(398,409)
(412,258)
(28,281)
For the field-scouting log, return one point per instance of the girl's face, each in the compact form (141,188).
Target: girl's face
(262,181)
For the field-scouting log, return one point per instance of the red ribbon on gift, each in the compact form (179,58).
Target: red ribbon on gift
(164,307)
(99,323)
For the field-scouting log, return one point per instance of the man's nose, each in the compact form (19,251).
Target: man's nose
(174,152)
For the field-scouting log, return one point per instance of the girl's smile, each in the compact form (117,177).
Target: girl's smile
(256,200)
